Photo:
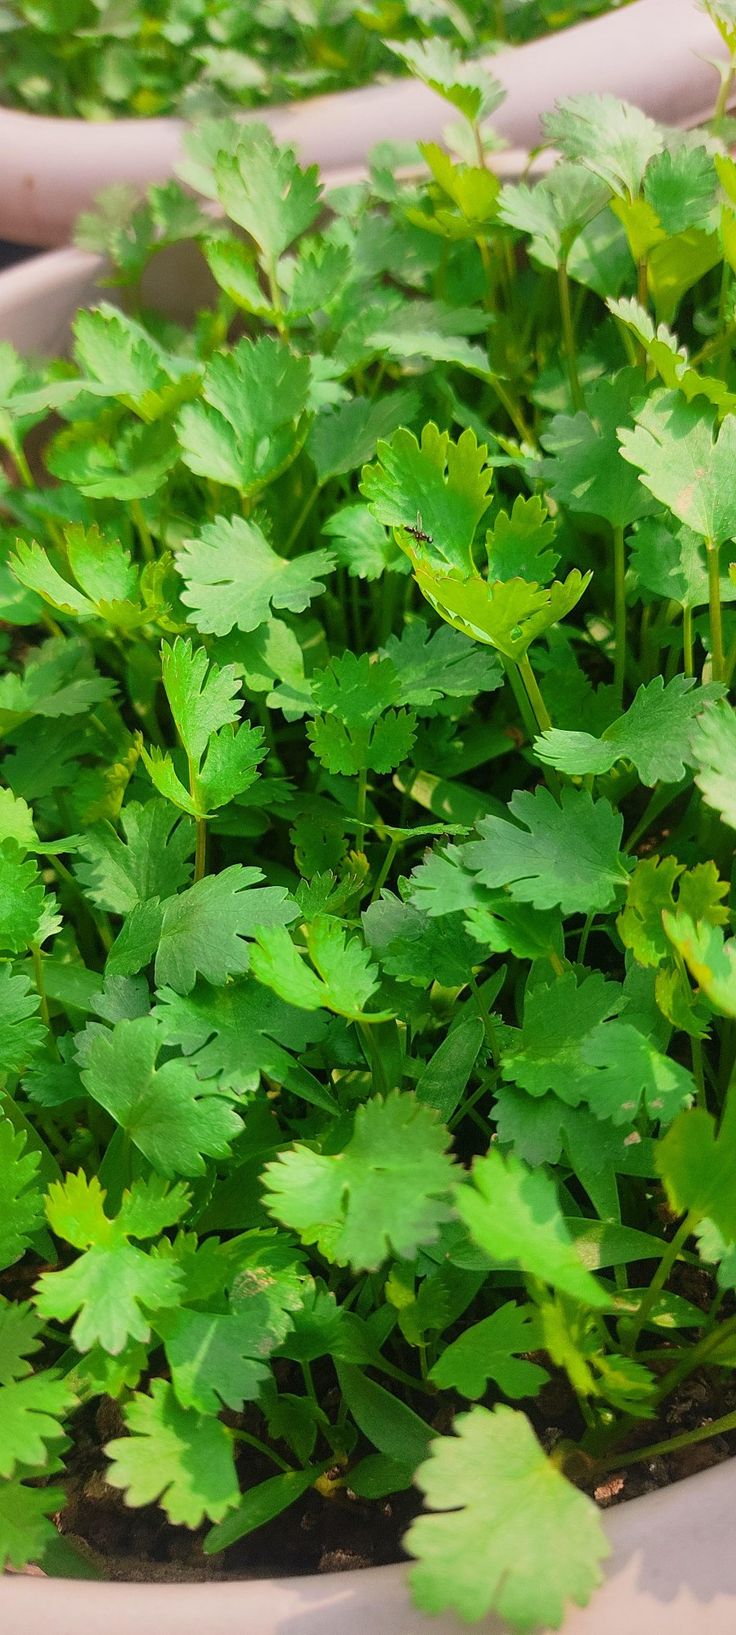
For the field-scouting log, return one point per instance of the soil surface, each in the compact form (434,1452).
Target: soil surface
(333,1534)
(337,1532)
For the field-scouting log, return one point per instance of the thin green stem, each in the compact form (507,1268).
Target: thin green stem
(526,712)
(490,1031)
(38,976)
(200,852)
(144,532)
(714,603)
(619,614)
(568,336)
(630,1331)
(642,282)
(302,515)
(22,467)
(260,1447)
(724,91)
(695,1356)
(275,294)
(519,692)
(584,935)
(374,1059)
(385,869)
(687,641)
(361,808)
(696,1052)
(672,1444)
(200,848)
(541,713)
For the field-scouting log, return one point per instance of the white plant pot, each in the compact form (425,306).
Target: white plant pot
(653,53)
(672,1571)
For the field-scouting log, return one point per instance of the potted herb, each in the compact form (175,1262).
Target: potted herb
(60,155)
(368,982)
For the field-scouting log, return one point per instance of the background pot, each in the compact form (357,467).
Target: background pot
(39,298)
(652,53)
(672,1572)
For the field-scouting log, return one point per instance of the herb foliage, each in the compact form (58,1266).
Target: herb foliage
(366,849)
(113,59)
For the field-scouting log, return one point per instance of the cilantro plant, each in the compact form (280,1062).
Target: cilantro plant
(102,59)
(368,979)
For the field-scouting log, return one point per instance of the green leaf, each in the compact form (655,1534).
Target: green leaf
(695,1161)
(512,1214)
(21,1204)
(508,615)
(59,679)
(519,543)
(671,562)
(655,734)
(713,748)
(343,438)
(30,1414)
(361,544)
(711,960)
(554,211)
(345,976)
(26,1530)
(116,352)
(234,578)
(510,1534)
(415,948)
(442,1082)
(153,860)
(258,1506)
(131,465)
(173,1454)
(671,360)
(384,1193)
(236,1033)
(166,1111)
(204,929)
(263,189)
(490,1350)
(250,425)
(439,664)
(651,891)
(567,854)
(584,470)
(21,1028)
(229,768)
(200,693)
(112,1286)
(685,463)
(19,1339)
(22,900)
(217,1360)
(384,1419)
(467,85)
(445,484)
(613,139)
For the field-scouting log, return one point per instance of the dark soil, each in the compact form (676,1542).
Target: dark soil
(337,1532)
(333,1534)
(316,1535)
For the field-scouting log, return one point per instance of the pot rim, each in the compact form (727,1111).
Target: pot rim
(658,53)
(672,1566)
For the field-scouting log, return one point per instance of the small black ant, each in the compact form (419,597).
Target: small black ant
(417,532)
